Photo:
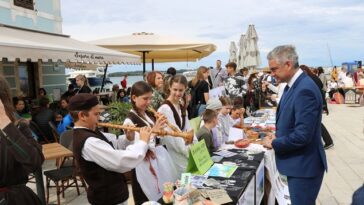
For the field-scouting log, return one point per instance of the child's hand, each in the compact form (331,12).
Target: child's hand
(145,133)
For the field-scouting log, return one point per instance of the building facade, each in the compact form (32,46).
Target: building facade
(26,76)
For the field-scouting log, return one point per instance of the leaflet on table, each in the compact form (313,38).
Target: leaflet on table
(198,180)
(220,170)
(235,134)
(225,153)
(248,120)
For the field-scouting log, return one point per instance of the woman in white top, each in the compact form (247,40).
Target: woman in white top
(157,168)
(174,108)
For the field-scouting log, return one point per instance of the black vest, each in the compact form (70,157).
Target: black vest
(135,118)
(105,187)
(180,124)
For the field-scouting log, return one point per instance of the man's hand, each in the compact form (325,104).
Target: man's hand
(4,119)
(145,133)
(267,142)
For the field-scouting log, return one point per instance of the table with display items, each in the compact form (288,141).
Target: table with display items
(248,178)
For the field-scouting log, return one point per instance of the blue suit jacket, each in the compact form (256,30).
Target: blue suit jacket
(298,146)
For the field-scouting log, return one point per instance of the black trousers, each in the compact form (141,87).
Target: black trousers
(326,135)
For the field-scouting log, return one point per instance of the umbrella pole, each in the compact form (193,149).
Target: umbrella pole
(103,78)
(152,64)
(144,62)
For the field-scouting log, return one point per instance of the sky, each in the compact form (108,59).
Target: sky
(317,28)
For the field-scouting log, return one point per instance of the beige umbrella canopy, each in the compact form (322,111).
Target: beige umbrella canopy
(233,51)
(252,56)
(157,48)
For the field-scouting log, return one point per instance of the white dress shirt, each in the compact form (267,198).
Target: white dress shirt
(126,155)
(294,78)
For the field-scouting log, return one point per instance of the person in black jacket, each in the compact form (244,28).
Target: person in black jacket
(82,83)
(324,132)
(20,154)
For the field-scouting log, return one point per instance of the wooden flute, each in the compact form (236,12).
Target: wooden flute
(187,136)
(170,125)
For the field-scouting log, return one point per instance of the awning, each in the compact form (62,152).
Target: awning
(31,45)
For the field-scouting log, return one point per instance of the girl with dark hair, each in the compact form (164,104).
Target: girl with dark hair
(43,93)
(174,108)
(254,90)
(157,168)
(20,154)
(20,108)
(155,79)
(121,96)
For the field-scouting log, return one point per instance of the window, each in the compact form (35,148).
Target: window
(28,4)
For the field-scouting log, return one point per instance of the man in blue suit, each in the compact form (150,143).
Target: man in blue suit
(297,143)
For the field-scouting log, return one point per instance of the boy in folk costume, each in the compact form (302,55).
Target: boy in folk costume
(101,159)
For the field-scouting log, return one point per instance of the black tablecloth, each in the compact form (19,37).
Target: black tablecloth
(247,166)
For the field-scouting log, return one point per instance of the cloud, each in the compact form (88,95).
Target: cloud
(311,25)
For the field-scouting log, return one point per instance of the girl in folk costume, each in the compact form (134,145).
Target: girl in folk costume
(157,168)
(174,108)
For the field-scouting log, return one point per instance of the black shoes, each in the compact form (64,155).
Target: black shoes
(328,146)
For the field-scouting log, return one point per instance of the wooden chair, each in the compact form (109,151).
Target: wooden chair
(66,175)
(61,178)
(54,132)
(42,138)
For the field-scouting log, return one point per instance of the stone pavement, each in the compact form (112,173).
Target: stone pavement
(345,160)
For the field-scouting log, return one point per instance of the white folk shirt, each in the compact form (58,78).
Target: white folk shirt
(126,155)
(176,146)
(147,120)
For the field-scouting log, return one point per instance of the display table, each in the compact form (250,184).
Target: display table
(244,189)
(249,176)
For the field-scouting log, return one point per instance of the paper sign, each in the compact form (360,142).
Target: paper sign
(221,170)
(199,160)
(218,196)
(235,134)
(185,179)
(216,92)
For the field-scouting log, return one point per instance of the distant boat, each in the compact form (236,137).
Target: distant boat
(190,74)
(94,78)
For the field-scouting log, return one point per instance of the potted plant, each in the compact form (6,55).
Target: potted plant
(118,112)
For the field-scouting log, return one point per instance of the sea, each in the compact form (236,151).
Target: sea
(130,80)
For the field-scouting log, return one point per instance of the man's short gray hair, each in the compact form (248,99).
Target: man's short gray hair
(284,53)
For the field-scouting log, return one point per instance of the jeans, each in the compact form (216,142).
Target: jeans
(201,109)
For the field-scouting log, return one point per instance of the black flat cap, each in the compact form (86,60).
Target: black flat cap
(82,101)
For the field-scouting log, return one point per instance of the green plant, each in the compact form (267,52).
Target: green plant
(119,111)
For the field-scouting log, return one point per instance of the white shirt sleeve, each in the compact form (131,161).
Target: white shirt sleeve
(119,143)
(168,113)
(178,144)
(273,88)
(100,152)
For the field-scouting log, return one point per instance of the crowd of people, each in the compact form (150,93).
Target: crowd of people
(103,157)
